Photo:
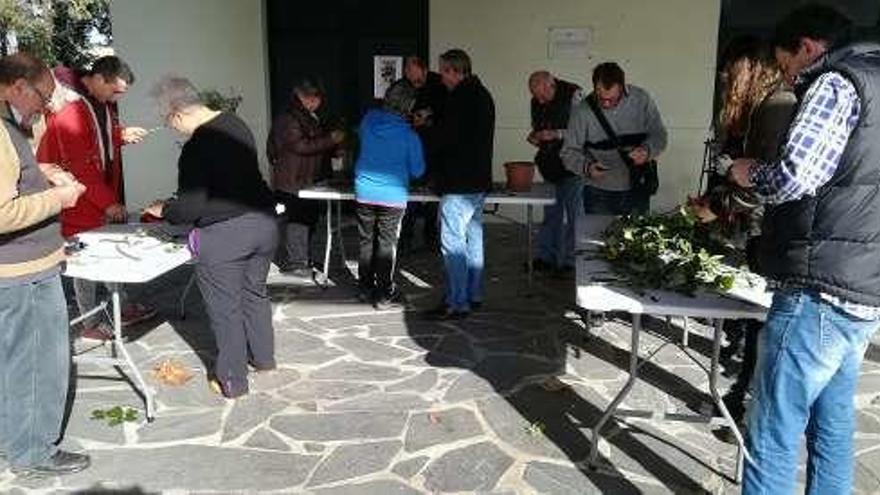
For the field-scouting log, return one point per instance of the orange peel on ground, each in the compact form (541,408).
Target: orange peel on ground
(171,372)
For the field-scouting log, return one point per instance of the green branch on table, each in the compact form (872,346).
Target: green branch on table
(670,252)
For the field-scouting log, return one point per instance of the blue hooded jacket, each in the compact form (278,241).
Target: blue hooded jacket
(391,154)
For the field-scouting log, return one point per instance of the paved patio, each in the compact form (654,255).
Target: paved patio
(368,402)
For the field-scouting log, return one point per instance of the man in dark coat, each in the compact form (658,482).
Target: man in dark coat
(299,150)
(426,114)
(463,177)
(551,105)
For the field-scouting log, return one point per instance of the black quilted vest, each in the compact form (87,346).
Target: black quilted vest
(831,241)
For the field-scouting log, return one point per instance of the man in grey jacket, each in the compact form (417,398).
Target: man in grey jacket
(588,150)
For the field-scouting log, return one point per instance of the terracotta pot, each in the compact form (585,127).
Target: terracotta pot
(519,176)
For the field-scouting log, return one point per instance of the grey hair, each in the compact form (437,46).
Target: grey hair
(174,94)
(458,60)
(400,98)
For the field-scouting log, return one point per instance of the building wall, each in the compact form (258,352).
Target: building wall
(217,44)
(221,44)
(666,47)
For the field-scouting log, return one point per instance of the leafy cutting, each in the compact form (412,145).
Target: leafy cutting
(116,415)
(671,252)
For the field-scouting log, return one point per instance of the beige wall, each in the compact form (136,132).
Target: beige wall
(667,47)
(216,43)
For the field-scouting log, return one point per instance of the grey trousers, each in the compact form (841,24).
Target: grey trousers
(233,262)
(296,228)
(294,250)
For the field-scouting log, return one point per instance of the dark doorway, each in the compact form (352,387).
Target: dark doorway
(758,17)
(335,40)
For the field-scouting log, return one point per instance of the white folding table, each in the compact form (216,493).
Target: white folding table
(598,290)
(540,195)
(123,254)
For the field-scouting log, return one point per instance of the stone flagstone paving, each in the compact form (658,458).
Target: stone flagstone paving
(368,402)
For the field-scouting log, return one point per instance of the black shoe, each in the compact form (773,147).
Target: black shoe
(62,462)
(476,305)
(445,313)
(262,367)
(395,300)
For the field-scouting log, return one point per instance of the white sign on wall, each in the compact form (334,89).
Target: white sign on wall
(386,70)
(569,42)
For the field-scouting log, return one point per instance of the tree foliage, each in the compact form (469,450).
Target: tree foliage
(58,31)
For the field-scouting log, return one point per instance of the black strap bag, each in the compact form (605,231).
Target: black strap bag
(643,179)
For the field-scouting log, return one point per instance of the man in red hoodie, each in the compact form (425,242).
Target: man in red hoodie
(85,138)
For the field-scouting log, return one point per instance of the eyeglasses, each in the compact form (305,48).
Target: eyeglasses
(43,98)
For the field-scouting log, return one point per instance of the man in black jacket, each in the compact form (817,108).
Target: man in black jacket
(463,177)
(552,101)
(431,94)
(427,113)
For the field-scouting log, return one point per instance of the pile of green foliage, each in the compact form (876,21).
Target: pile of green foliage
(671,252)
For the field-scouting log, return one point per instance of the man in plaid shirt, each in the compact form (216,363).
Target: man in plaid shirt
(821,247)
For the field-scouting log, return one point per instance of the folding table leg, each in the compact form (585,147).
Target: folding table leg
(685,332)
(339,233)
(129,362)
(633,375)
(88,314)
(182,302)
(529,257)
(325,275)
(716,397)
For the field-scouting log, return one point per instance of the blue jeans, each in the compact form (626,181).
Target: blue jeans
(34,369)
(461,243)
(809,357)
(556,237)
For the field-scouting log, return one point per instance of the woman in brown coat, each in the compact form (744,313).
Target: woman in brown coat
(757,109)
(299,150)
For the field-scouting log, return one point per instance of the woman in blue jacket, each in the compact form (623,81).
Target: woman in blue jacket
(391,155)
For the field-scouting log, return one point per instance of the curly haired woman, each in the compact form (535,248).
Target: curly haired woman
(757,108)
